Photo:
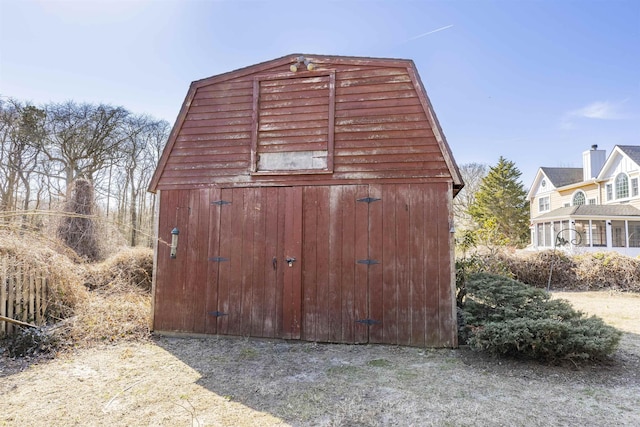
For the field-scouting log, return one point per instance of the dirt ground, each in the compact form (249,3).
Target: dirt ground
(219,381)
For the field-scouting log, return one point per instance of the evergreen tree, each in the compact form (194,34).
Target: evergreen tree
(500,208)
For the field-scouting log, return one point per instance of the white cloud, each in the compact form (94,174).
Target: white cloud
(599,110)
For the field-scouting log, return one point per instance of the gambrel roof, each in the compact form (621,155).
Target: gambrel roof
(180,168)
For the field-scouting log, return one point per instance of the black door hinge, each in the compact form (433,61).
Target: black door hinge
(368,200)
(218,259)
(368,322)
(368,261)
(221,202)
(217,313)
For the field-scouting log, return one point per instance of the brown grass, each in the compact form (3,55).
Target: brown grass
(230,381)
(119,304)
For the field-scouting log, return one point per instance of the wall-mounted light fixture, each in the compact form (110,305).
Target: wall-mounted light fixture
(301,60)
(174,242)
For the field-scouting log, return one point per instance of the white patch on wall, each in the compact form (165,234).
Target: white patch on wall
(293,160)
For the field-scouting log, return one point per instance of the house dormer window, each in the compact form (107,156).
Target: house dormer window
(622,186)
(579,198)
(634,187)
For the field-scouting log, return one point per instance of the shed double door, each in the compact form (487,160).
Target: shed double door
(324,263)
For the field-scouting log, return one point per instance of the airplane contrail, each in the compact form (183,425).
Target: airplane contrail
(430,32)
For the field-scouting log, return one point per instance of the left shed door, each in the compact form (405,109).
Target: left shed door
(180,282)
(248,281)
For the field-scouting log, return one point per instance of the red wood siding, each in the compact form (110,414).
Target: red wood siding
(380,129)
(239,283)
(293,118)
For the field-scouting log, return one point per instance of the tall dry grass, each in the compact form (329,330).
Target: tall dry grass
(31,251)
(86,302)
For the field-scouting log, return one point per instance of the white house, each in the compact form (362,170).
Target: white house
(593,208)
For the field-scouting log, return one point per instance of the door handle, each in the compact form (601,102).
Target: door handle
(274,262)
(290,261)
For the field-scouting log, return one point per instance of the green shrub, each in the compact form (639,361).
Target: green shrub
(507,317)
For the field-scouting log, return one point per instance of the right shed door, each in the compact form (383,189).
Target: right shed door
(377,265)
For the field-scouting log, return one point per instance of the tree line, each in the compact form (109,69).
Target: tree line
(44,149)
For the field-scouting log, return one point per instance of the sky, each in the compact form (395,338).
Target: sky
(536,82)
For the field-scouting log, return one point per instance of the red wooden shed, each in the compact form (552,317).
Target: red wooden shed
(312,195)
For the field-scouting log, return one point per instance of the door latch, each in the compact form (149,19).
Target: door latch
(290,261)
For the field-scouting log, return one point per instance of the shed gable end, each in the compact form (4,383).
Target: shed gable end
(347,120)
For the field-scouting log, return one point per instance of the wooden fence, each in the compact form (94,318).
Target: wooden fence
(23,293)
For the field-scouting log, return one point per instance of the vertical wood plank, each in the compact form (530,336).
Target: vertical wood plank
(236,263)
(19,299)
(361,251)
(292,292)
(389,279)
(211,292)
(11,294)
(403,263)
(446,286)
(261,267)
(432,269)
(280,278)
(184,312)
(199,224)
(335,264)
(225,267)
(270,301)
(417,278)
(375,271)
(323,307)
(310,265)
(348,263)
(32,296)
(166,302)
(248,260)
(39,298)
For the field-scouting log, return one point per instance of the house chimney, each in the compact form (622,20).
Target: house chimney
(592,162)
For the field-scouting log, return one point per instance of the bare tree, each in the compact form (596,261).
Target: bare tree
(472,175)
(146,135)
(82,139)
(21,131)
(45,149)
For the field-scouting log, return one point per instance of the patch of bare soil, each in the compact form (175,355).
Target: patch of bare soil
(245,382)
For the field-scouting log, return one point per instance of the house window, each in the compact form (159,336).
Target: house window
(582,228)
(609,192)
(634,234)
(543,204)
(634,187)
(598,233)
(622,186)
(579,198)
(618,234)
(592,201)
(540,234)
